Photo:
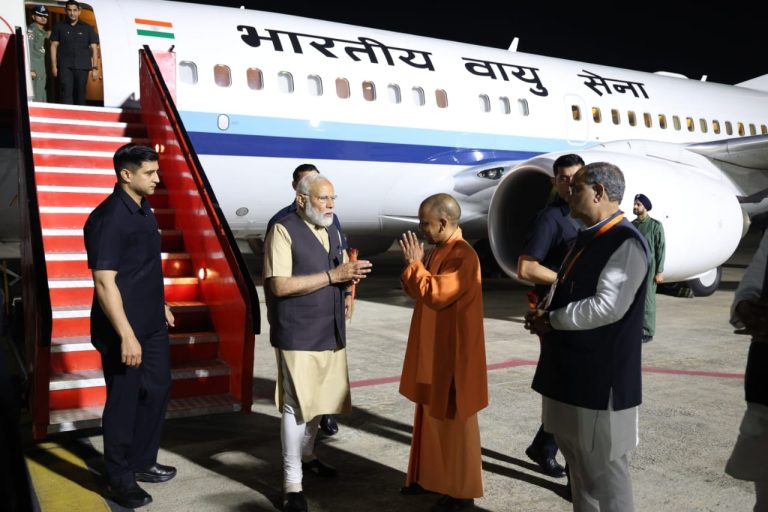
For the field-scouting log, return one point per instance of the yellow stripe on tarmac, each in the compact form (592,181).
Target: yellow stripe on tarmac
(62,481)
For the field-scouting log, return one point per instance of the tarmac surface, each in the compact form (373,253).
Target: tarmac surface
(693,402)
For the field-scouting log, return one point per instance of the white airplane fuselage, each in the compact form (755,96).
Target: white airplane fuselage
(260,93)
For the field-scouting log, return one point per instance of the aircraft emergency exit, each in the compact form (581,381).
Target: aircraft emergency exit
(392,118)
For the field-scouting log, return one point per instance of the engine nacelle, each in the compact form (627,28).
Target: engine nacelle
(702,219)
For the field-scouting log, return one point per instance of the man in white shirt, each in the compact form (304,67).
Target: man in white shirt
(590,330)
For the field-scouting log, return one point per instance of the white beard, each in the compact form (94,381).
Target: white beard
(315,216)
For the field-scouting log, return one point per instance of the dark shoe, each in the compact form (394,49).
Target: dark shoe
(328,425)
(449,504)
(646,338)
(156,473)
(130,497)
(548,465)
(295,502)
(414,489)
(319,468)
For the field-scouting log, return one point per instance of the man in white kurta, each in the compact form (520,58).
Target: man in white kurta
(749,312)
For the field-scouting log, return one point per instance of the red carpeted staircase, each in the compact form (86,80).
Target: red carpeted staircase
(72,150)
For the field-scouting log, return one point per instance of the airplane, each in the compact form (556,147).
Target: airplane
(391,118)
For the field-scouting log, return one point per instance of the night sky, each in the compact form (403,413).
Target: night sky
(723,40)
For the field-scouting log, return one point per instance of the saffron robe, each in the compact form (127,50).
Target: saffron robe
(444,371)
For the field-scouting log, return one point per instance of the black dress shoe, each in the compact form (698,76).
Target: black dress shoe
(319,468)
(328,425)
(449,504)
(646,338)
(295,502)
(130,497)
(156,473)
(548,465)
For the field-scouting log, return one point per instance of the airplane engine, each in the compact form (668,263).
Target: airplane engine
(703,221)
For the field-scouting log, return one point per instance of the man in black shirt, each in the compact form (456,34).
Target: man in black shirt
(129,325)
(73,55)
(552,233)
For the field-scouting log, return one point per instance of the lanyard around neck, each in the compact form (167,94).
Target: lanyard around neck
(600,232)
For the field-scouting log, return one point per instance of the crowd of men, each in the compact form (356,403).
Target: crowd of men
(594,271)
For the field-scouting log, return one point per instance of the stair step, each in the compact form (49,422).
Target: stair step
(87,388)
(90,196)
(80,291)
(71,240)
(75,176)
(78,354)
(55,158)
(75,265)
(70,217)
(80,142)
(83,113)
(89,417)
(77,127)
(75,320)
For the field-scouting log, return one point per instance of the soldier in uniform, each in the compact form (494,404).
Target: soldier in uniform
(37,34)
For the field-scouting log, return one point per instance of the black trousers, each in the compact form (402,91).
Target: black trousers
(137,399)
(545,443)
(72,84)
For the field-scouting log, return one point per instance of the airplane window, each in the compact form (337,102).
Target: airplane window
(576,112)
(596,115)
(342,88)
(315,85)
(740,127)
(703,125)
(615,116)
(441,97)
(504,105)
(369,90)
(631,118)
(716,126)
(647,119)
(728,128)
(394,93)
(485,103)
(418,96)
(285,82)
(662,121)
(188,72)
(763,129)
(255,79)
(689,124)
(522,107)
(752,130)
(676,122)
(222,75)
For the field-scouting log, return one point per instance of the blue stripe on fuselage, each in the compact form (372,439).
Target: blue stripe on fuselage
(291,138)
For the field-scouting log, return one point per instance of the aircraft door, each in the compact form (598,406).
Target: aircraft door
(577,119)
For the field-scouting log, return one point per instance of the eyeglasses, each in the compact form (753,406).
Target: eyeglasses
(323,199)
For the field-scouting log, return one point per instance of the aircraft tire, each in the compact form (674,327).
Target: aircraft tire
(706,285)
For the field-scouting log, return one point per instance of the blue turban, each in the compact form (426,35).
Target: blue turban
(642,198)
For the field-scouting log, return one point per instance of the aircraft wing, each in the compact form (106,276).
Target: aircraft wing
(743,159)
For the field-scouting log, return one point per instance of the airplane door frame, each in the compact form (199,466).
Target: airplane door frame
(577,131)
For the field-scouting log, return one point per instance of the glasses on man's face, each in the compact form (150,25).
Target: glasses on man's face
(323,199)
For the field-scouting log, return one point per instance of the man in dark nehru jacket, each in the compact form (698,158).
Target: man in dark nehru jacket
(590,330)
(129,326)
(74,55)
(552,232)
(749,312)
(305,277)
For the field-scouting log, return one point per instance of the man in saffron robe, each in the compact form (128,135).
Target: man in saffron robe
(444,371)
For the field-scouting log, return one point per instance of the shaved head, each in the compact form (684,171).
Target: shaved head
(443,206)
